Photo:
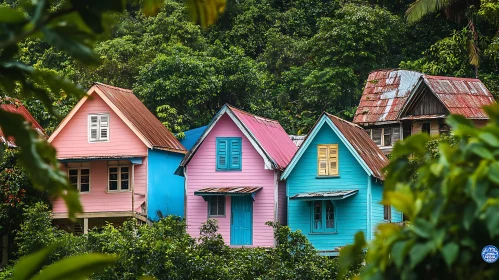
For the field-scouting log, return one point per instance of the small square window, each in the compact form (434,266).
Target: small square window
(119,178)
(98,127)
(229,153)
(79,178)
(216,206)
(323,216)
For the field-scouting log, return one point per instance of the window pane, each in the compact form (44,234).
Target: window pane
(221,205)
(73,172)
(387,138)
(124,169)
(317,223)
(85,179)
(85,171)
(124,176)
(377,136)
(425,128)
(93,133)
(124,185)
(113,176)
(216,205)
(103,134)
(73,180)
(329,214)
(84,187)
(113,169)
(113,185)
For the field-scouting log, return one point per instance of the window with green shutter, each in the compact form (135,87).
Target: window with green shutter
(229,151)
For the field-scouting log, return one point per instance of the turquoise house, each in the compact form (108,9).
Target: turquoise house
(334,186)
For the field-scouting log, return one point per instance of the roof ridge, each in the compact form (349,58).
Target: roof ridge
(247,113)
(393,69)
(113,87)
(451,77)
(340,119)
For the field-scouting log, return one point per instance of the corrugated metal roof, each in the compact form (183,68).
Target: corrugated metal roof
(362,143)
(384,95)
(102,157)
(13,105)
(270,135)
(338,194)
(144,121)
(297,139)
(464,96)
(424,117)
(228,190)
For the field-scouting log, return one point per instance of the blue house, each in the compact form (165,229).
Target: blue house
(334,185)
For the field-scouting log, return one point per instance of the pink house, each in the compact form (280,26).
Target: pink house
(109,144)
(232,175)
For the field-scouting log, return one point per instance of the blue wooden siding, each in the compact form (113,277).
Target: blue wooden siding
(191,136)
(165,189)
(378,209)
(351,213)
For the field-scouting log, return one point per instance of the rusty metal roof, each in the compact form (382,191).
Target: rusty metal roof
(362,143)
(13,105)
(336,195)
(227,190)
(384,95)
(464,96)
(144,121)
(424,117)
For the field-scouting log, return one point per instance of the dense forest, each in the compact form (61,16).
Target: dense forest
(287,60)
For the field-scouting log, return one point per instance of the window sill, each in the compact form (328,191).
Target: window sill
(215,217)
(227,170)
(323,233)
(127,191)
(327,177)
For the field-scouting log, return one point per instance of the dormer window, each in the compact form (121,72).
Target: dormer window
(98,127)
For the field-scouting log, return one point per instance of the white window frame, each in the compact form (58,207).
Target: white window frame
(100,127)
(78,183)
(119,178)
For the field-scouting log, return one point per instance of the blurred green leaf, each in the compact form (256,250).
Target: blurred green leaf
(29,265)
(11,15)
(450,252)
(151,7)
(67,39)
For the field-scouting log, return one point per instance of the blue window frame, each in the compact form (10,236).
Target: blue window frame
(229,153)
(323,216)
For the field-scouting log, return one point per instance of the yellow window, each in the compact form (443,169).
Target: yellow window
(327,160)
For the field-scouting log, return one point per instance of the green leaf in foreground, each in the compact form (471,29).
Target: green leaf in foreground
(26,267)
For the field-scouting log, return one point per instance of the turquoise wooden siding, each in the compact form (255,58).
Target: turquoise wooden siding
(351,213)
(165,189)
(377,208)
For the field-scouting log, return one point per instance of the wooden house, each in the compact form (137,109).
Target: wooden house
(232,175)
(334,186)
(121,159)
(398,103)
(13,105)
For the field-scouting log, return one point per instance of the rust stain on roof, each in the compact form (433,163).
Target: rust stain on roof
(13,105)
(326,194)
(144,121)
(384,95)
(464,96)
(229,190)
(362,143)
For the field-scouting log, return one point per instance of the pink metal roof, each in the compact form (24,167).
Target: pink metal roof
(362,143)
(13,105)
(270,135)
(384,95)
(229,190)
(144,121)
(462,96)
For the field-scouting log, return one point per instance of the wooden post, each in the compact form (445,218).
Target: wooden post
(85,225)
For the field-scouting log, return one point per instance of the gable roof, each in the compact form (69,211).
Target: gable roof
(384,95)
(135,115)
(266,135)
(464,96)
(13,105)
(370,157)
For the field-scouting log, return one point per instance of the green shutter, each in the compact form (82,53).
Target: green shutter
(222,151)
(235,154)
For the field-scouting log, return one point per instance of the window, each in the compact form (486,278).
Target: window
(119,178)
(327,160)
(395,134)
(323,216)
(216,206)
(425,127)
(376,136)
(98,127)
(387,136)
(387,213)
(229,152)
(80,178)
(444,129)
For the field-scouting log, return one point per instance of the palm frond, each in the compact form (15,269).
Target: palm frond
(420,8)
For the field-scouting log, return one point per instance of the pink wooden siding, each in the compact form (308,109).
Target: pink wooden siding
(72,141)
(281,198)
(99,200)
(201,173)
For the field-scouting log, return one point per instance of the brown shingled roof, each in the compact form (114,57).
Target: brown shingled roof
(137,113)
(362,143)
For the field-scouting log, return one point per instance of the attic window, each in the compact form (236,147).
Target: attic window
(98,127)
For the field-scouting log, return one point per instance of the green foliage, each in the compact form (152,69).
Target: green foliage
(452,206)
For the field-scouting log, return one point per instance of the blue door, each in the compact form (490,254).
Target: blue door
(241,222)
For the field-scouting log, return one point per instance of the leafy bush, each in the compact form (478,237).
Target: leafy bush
(452,205)
(164,250)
